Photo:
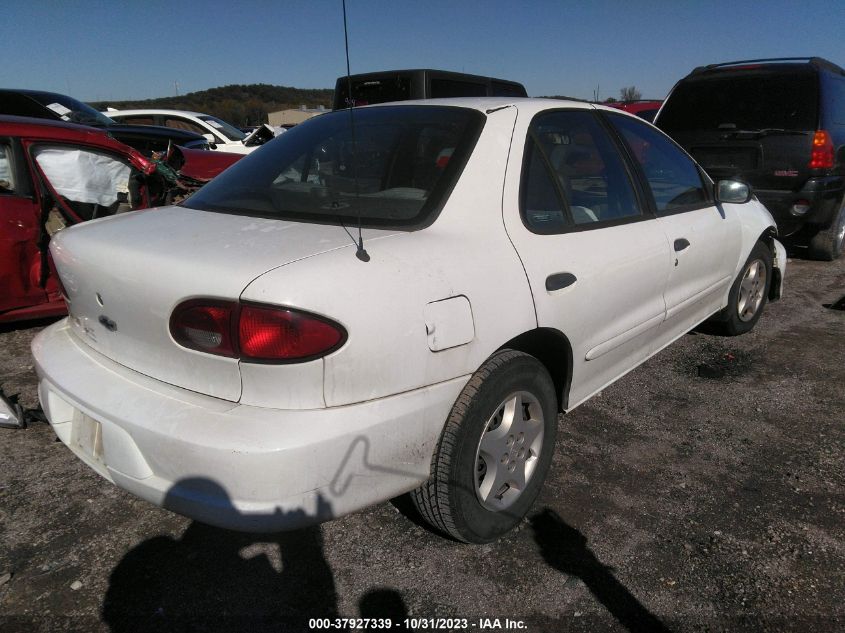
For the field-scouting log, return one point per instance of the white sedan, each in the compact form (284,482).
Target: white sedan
(398,299)
(223,136)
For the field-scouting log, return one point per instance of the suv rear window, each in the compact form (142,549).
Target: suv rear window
(445,88)
(395,171)
(743,100)
(372,91)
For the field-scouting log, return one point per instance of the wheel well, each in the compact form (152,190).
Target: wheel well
(552,348)
(766,237)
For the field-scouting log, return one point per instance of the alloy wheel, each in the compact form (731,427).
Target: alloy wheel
(751,290)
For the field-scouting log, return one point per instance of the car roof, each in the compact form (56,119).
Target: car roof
(35,126)
(376,74)
(777,64)
(33,93)
(482,104)
(485,104)
(154,111)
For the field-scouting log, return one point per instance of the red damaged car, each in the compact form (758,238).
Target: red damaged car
(643,108)
(55,174)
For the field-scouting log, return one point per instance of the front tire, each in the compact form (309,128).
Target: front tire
(749,293)
(494,452)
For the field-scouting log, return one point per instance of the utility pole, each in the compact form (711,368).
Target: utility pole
(176,85)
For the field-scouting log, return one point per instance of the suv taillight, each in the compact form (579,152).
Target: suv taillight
(822,156)
(254,332)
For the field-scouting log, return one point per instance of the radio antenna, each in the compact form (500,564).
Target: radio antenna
(361,253)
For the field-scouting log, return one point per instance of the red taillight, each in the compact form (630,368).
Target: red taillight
(205,326)
(254,332)
(281,334)
(822,156)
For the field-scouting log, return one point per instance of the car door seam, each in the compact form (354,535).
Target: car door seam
(505,224)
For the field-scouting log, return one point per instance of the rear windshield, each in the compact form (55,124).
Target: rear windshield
(743,100)
(394,172)
(226,129)
(69,109)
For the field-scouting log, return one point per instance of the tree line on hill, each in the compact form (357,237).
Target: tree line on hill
(238,104)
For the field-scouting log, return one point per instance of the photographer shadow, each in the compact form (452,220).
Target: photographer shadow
(211,579)
(565,549)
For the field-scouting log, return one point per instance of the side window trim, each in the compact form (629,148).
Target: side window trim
(644,198)
(9,173)
(706,184)
(642,189)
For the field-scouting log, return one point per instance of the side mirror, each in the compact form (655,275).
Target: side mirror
(733,191)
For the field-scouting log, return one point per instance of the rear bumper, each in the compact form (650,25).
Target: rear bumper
(238,467)
(824,195)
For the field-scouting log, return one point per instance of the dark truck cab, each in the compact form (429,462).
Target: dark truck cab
(778,124)
(419,83)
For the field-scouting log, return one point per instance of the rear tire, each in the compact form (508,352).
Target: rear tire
(748,295)
(827,245)
(494,452)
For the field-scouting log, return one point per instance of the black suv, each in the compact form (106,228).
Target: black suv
(778,124)
(58,107)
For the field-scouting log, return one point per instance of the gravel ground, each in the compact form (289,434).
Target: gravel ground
(702,492)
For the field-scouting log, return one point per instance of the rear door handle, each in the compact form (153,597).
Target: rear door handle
(559,281)
(681,244)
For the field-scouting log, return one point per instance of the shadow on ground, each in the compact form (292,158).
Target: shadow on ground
(565,549)
(213,579)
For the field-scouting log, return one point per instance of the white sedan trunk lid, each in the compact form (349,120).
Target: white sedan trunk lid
(124,277)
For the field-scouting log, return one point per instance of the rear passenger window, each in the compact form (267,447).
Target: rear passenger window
(573,174)
(506,89)
(673,177)
(442,88)
(136,120)
(7,182)
(182,124)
